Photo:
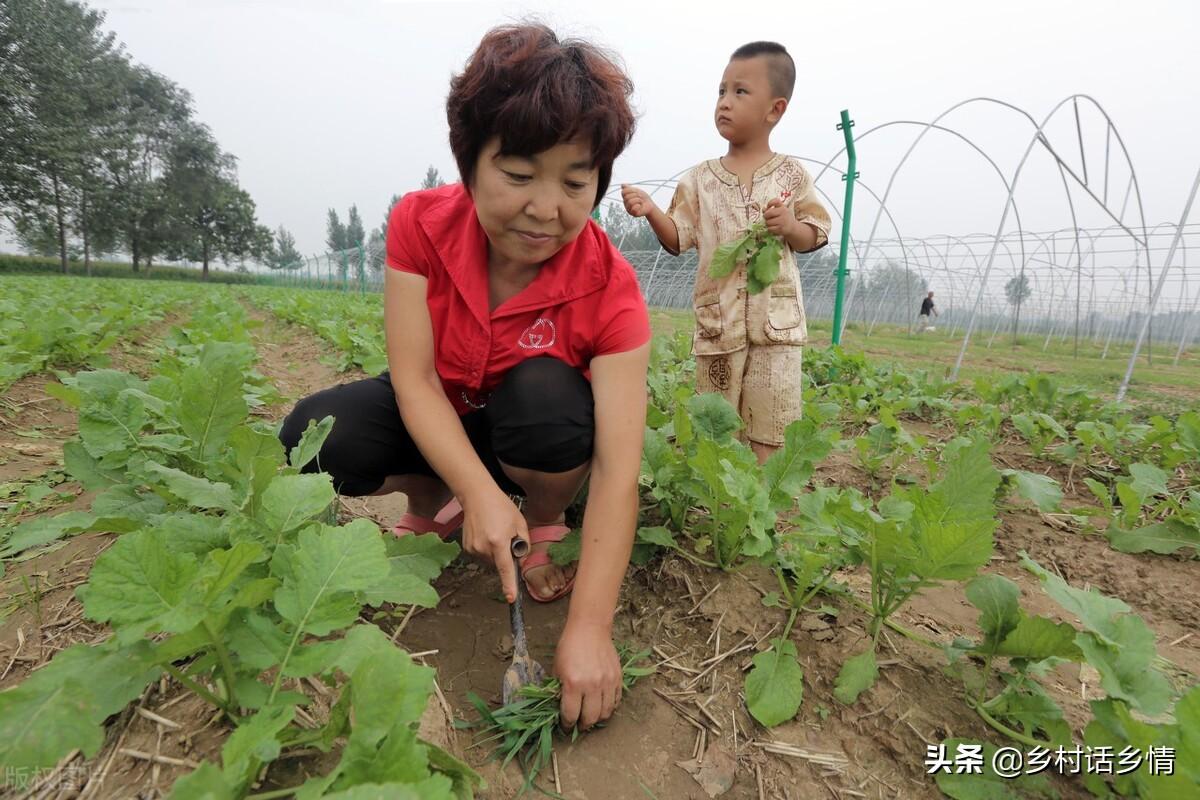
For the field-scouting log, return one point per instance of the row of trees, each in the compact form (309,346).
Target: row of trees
(99,154)
(352,235)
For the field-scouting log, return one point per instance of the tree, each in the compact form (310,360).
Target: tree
(432,179)
(284,255)
(37,236)
(54,74)
(894,283)
(211,216)
(130,188)
(355,234)
(335,232)
(376,250)
(1017,290)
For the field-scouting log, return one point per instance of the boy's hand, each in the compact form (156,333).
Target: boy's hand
(637,202)
(779,219)
(590,671)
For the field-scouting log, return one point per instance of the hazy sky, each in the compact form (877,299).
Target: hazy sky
(331,103)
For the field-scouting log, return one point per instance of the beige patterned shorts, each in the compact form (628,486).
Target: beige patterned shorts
(763,383)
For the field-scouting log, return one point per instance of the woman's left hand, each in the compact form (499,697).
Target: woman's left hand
(587,665)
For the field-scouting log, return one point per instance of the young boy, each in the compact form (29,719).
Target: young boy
(747,346)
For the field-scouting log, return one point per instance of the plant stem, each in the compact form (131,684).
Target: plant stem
(695,559)
(1000,727)
(199,690)
(898,628)
(226,663)
(275,793)
(787,630)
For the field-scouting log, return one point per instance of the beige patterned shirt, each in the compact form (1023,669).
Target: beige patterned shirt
(711,207)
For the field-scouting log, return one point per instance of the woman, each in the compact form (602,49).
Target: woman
(517,346)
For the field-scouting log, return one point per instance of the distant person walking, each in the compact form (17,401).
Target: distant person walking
(928,312)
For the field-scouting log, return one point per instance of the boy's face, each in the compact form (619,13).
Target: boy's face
(745,104)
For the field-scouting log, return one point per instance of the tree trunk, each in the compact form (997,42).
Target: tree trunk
(134,251)
(62,228)
(83,228)
(204,274)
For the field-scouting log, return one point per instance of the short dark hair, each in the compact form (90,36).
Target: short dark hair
(533,91)
(781,69)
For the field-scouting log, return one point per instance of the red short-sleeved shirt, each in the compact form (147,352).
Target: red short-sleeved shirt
(585,301)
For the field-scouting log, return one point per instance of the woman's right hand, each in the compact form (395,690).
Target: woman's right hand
(490,523)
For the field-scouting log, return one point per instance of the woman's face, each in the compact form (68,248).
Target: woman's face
(531,207)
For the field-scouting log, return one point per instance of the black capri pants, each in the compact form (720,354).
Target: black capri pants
(539,418)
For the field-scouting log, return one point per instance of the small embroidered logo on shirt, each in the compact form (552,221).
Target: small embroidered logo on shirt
(538,336)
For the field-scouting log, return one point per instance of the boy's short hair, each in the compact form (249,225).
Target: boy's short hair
(534,91)
(781,69)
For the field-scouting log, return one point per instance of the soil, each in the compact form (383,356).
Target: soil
(691,618)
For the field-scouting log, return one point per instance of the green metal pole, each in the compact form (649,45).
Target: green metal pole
(851,174)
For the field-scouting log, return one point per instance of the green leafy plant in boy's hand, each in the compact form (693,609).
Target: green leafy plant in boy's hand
(758,249)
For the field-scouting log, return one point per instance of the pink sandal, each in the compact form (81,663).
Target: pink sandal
(445,524)
(538,535)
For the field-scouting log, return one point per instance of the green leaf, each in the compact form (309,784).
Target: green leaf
(437,787)
(952,523)
(996,598)
(211,403)
(657,536)
(568,550)
(387,689)
(207,782)
(465,781)
(858,674)
(1031,710)
(1041,490)
(196,492)
(421,555)
(399,759)
(114,426)
(1038,638)
(310,441)
(713,417)
(63,705)
(292,500)
(1096,611)
(224,567)
(193,533)
(724,258)
(86,468)
(414,562)
(775,686)
(788,469)
(40,531)
(1170,536)
(327,567)
(764,267)
(258,643)
(1117,643)
(256,739)
(1124,668)
(141,585)
(1148,481)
